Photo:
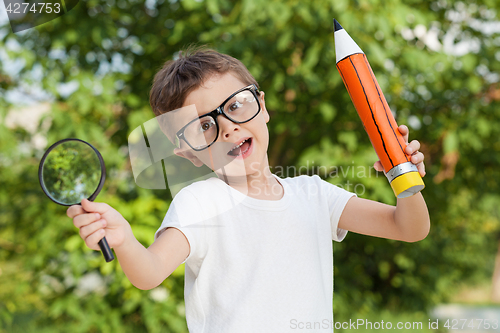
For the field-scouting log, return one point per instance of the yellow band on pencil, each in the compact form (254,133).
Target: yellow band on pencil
(407,184)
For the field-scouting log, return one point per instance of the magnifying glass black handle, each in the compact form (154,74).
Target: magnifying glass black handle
(106,250)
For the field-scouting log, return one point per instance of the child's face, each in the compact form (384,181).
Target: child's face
(251,157)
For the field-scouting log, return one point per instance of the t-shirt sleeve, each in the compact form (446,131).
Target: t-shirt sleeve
(183,214)
(337,199)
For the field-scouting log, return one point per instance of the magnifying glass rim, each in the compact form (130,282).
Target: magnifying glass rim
(101,181)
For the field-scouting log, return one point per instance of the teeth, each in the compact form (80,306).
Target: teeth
(242,142)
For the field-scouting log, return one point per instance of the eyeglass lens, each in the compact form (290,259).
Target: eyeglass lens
(242,107)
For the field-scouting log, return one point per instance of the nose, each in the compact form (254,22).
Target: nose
(226,127)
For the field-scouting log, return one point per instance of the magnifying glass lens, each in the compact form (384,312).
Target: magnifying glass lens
(71,172)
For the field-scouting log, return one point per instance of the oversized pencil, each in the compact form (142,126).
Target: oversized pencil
(376,115)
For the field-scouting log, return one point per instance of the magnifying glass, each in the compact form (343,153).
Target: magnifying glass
(72,170)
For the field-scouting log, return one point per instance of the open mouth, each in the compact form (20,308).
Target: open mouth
(241,149)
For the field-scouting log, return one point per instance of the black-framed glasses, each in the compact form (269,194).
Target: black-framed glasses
(241,107)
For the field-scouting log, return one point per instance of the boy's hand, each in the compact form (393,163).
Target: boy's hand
(97,220)
(412,148)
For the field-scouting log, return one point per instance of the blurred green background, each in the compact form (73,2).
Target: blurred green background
(87,74)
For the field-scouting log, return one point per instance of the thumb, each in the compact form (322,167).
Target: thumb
(94,207)
(378,166)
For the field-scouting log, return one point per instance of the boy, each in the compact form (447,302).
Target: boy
(257,248)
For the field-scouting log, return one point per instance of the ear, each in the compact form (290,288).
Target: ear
(188,154)
(263,106)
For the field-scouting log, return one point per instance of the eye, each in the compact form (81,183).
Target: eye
(205,126)
(234,106)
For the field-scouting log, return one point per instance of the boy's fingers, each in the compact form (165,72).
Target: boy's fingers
(92,240)
(98,207)
(85,219)
(74,210)
(421,169)
(417,158)
(412,147)
(403,129)
(89,229)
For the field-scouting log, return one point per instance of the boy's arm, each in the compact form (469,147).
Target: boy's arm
(409,221)
(145,268)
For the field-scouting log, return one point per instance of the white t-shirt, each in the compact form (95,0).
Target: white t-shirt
(259,265)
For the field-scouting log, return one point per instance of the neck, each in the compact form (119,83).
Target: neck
(260,183)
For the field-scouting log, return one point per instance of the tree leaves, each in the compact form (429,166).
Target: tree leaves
(112,50)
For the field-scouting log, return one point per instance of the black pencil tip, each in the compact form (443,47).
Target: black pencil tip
(337,25)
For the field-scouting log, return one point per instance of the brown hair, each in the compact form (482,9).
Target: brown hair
(194,66)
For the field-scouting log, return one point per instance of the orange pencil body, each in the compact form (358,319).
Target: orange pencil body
(373,110)
(376,115)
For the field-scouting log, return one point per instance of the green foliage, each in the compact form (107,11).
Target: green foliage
(111,50)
